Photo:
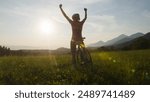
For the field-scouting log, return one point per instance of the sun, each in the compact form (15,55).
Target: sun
(46,26)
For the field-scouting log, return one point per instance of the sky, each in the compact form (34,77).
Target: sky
(40,23)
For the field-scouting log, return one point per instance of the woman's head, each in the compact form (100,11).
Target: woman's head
(76,17)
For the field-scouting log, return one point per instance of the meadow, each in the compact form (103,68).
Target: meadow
(109,68)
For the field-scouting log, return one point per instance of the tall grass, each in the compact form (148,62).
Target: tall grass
(122,67)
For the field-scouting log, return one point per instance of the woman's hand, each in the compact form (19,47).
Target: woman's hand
(60,5)
(85,9)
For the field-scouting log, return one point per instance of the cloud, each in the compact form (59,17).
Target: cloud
(82,3)
(91,1)
(16,11)
(103,23)
(146,14)
(86,1)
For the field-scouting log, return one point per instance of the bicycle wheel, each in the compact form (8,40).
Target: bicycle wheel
(87,56)
(83,56)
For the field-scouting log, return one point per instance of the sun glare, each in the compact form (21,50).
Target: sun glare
(46,27)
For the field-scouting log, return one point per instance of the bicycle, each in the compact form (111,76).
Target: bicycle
(83,56)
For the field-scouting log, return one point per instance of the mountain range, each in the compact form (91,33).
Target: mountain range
(123,42)
(142,42)
(116,41)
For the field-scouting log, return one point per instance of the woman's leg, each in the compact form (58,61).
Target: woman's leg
(73,52)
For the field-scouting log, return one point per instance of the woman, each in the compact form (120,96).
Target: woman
(76,25)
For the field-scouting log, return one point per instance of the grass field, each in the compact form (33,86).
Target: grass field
(120,67)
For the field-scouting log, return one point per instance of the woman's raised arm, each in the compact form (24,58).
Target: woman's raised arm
(60,6)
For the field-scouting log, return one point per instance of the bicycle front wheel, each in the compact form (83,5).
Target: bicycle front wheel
(83,56)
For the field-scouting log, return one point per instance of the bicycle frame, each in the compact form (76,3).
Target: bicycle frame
(80,43)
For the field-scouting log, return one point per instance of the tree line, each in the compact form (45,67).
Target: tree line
(4,50)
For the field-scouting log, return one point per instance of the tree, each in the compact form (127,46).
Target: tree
(4,51)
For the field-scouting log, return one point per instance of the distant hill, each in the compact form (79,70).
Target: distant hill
(118,40)
(114,40)
(128,38)
(109,42)
(38,50)
(21,52)
(142,42)
(136,35)
(61,50)
(97,44)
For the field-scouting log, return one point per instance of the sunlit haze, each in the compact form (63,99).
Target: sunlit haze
(46,26)
(40,24)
